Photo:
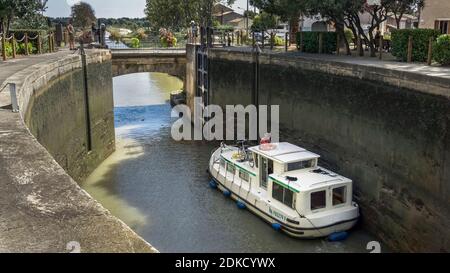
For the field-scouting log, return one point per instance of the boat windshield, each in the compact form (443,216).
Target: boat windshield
(301,165)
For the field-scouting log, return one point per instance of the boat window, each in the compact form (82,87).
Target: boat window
(222,163)
(300,165)
(270,167)
(244,175)
(318,200)
(231,168)
(339,196)
(255,158)
(283,195)
(264,174)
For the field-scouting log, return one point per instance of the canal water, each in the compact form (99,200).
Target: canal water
(159,187)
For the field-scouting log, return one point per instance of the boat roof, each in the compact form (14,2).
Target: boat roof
(285,153)
(308,180)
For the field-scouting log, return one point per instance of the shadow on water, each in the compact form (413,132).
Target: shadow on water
(159,187)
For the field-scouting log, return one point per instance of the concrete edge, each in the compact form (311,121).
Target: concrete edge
(36,76)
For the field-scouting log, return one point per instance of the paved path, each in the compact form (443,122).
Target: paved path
(12,66)
(419,68)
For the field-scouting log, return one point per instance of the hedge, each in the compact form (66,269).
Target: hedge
(441,50)
(311,42)
(421,39)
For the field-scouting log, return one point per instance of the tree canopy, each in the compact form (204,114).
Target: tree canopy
(83,15)
(176,14)
(13,9)
(343,13)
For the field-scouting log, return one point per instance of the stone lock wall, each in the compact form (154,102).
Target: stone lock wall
(57,117)
(388,131)
(42,208)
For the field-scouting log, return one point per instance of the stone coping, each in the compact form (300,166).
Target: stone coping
(417,77)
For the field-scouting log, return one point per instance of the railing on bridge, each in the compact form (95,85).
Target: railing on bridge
(229,37)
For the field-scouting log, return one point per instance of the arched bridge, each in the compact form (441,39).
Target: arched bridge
(170,61)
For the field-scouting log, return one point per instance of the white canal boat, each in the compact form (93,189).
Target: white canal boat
(283,184)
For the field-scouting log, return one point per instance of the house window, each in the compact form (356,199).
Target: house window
(300,165)
(339,196)
(283,195)
(318,200)
(443,26)
(244,175)
(231,169)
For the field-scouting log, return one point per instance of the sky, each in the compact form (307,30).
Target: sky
(111,8)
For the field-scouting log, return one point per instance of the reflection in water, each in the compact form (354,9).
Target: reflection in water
(160,187)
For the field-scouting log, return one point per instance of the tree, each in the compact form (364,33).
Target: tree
(12,9)
(83,15)
(287,10)
(334,12)
(401,7)
(263,22)
(177,14)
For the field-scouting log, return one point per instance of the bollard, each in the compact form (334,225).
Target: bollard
(286,45)
(360,47)
(39,41)
(53,42)
(49,43)
(14,49)
(320,43)
(338,44)
(14,103)
(271,41)
(381,47)
(4,46)
(410,47)
(253,39)
(263,39)
(430,51)
(26,44)
(301,42)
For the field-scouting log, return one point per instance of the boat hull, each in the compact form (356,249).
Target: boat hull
(296,232)
(307,230)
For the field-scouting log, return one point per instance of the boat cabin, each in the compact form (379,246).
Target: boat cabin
(284,185)
(290,176)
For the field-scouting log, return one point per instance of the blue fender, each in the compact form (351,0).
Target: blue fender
(276,226)
(338,236)
(227,193)
(213,184)
(241,205)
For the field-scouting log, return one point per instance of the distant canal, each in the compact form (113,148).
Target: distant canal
(159,187)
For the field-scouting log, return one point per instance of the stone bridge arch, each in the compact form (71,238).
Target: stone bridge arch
(172,62)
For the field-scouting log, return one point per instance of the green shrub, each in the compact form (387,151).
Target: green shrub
(135,43)
(441,50)
(278,41)
(421,39)
(349,35)
(311,42)
(21,48)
